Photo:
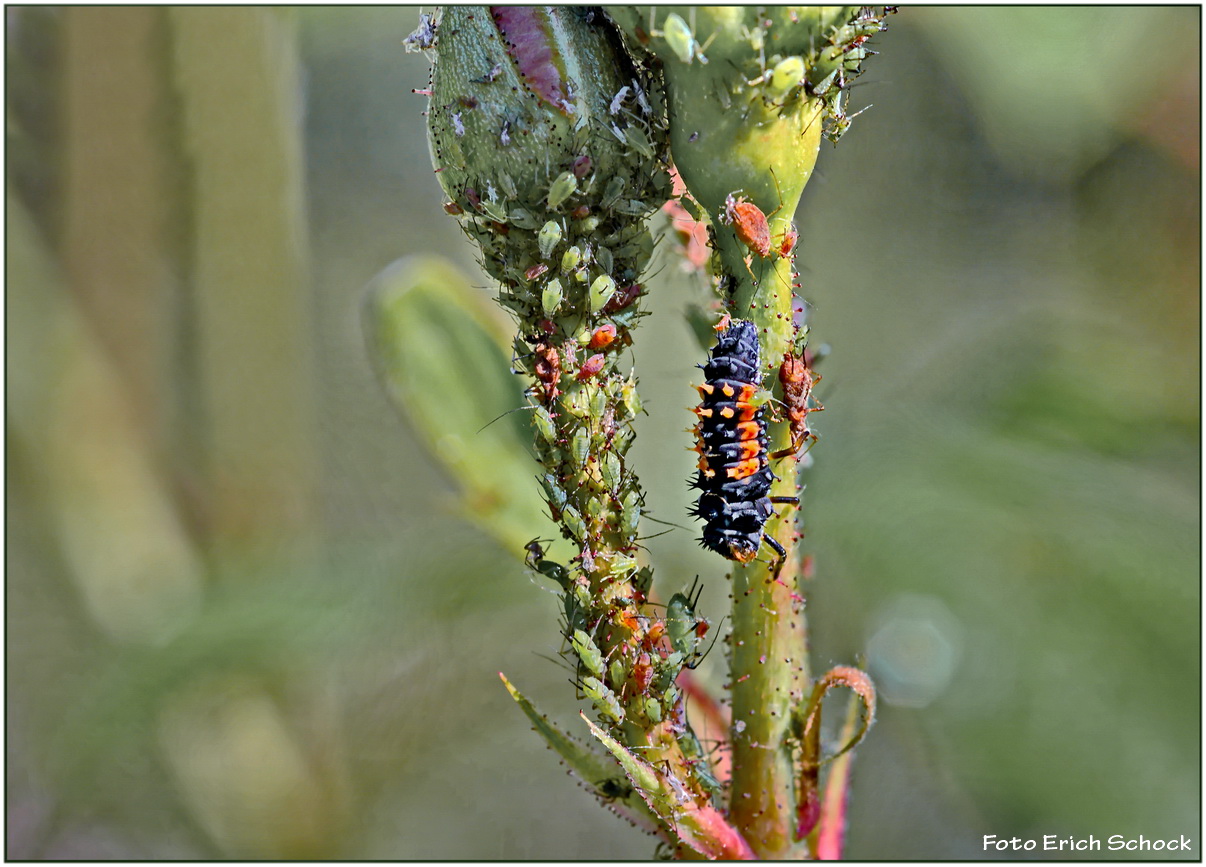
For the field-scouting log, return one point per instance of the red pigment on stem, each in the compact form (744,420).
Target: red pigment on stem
(525,31)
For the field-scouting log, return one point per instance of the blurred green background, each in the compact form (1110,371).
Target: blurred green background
(247,615)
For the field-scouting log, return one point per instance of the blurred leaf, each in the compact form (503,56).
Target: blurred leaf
(259,625)
(443,357)
(1050,85)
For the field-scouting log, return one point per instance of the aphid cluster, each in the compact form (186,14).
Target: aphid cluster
(734,469)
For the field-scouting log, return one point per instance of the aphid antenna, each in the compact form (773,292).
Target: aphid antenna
(557,661)
(656,535)
(497,417)
(650,517)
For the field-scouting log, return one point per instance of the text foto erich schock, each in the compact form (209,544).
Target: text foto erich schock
(1114,843)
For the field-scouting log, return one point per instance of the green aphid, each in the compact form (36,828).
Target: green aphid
(594,508)
(787,74)
(494,210)
(636,139)
(667,672)
(522,218)
(561,189)
(822,87)
(544,424)
(580,447)
(644,579)
(587,652)
(551,296)
(598,402)
(694,753)
(623,564)
(623,440)
(571,259)
(632,207)
(679,37)
(681,625)
(556,494)
(508,184)
(630,515)
(587,225)
(603,699)
(601,292)
(617,670)
(652,709)
(575,403)
(610,469)
(548,238)
(630,399)
(611,194)
(574,523)
(605,259)
(575,613)
(672,692)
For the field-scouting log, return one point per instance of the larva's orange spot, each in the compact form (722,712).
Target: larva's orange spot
(748,430)
(744,469)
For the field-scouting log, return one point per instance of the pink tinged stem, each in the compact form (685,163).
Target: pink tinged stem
(832,832)
(525,30)
(697,824)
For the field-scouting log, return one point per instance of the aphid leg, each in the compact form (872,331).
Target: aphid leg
(794,448)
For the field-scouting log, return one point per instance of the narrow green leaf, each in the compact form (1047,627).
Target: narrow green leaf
(698,825)
(598,771)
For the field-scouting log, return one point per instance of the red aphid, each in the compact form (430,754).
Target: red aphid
(798,379)
(623,297)
(590,367)
(535,271)
(642,672)
(603,336)
(548,369)
(787,242)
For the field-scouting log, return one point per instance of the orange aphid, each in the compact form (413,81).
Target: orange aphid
(749,223)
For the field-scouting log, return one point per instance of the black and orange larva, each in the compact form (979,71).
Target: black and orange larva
(734,469)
